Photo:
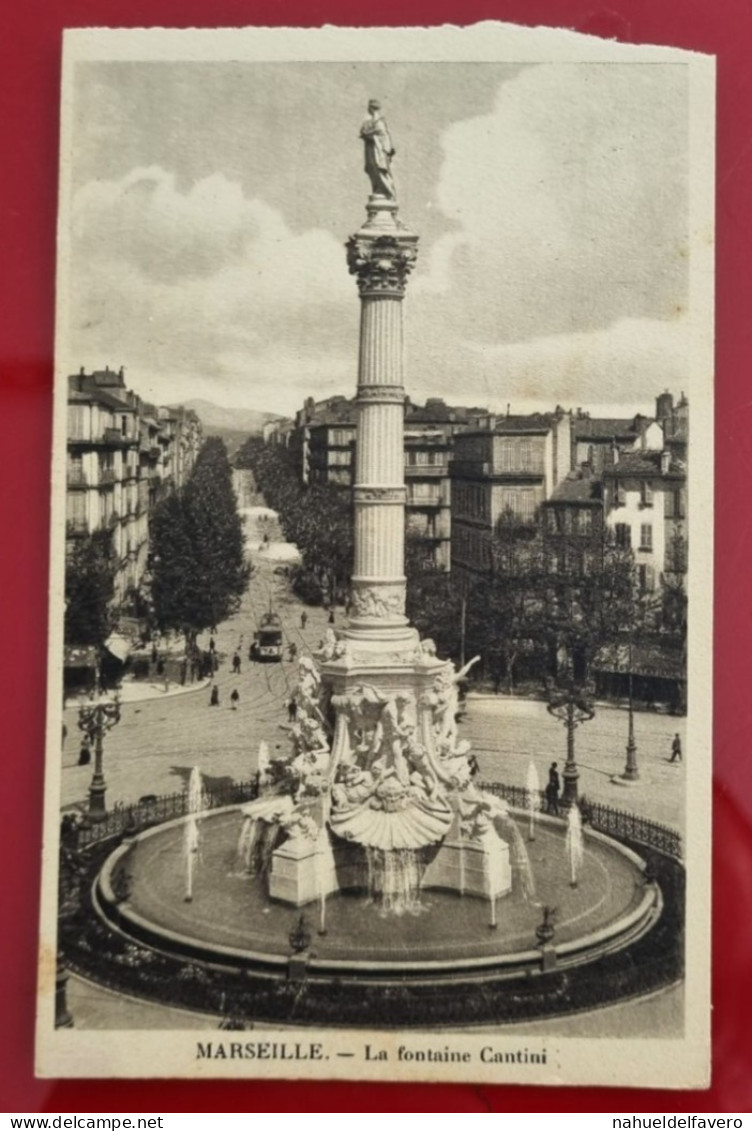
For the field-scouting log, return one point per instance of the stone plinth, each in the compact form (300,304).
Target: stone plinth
(476,867)
(296,873)
(471,867)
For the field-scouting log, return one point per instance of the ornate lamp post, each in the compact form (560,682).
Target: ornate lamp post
(94,720)
(631,773)
(572,704)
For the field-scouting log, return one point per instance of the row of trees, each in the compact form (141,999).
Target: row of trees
(198,567)
(544,606)
(197,572)
(318,519)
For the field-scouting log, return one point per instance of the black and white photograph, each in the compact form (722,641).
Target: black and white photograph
(379,673)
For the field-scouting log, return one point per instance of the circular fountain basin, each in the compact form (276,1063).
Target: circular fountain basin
(230,919)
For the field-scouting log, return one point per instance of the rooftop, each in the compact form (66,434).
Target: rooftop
(607,427)
(578,487)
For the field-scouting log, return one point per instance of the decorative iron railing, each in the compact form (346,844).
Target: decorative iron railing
(618,823)
(153,810)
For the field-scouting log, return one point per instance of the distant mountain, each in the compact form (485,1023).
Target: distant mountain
(214,418)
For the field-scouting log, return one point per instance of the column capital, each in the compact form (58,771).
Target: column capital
(382,263)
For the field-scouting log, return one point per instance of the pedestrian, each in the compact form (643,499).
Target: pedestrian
(235,699)
(472,762)
(303,619)
(552,790)
(331,616)
(212,645)
(236,663)
(214,700)
(183,672)
(292,651)
(154,654)
(84,754)
(292,710)
(676,750)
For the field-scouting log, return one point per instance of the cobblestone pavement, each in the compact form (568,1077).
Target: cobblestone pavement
(158,741)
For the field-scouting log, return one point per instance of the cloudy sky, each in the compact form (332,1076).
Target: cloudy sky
(211,201)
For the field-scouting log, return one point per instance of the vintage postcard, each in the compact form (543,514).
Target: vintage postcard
(379,734)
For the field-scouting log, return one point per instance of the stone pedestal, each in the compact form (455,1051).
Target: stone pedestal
(299,873)
(471,867)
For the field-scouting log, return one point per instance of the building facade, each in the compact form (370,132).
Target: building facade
(509,468)
(122,456)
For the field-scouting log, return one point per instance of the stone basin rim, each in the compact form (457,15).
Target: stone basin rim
(628,927)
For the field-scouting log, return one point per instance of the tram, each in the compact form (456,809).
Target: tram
(267,640)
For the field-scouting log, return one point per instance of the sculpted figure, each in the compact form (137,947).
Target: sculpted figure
(444,700)
(309,686)
(391,736)
(328,647)
(378,151)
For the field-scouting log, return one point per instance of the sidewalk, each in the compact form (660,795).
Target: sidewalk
(136,691)
(95,1007)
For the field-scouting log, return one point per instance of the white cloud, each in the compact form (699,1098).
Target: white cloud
(626,363)
(175,283)
(569,203)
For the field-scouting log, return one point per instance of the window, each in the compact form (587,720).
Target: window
(509,502)
(525,455)
(646,494)
(528,505)
(646,536)
(623,535)
(124,425)
(77,422)
(76,507)
(646,578)
(507,456)
(586,521)
(620,496)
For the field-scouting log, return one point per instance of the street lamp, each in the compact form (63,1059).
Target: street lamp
(94,720)
(631,773)
(571,704)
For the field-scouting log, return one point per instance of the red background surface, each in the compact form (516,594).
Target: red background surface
(30,40)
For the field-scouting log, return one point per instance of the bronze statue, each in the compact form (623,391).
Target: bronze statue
(379,152)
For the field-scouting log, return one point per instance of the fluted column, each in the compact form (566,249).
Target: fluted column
(381,255)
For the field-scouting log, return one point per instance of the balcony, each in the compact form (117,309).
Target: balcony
(426,471)
(424,501)
(114,438)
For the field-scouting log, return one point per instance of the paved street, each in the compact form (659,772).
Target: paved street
(507,734)
(160,739)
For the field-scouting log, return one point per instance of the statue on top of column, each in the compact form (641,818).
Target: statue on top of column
(379,152)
